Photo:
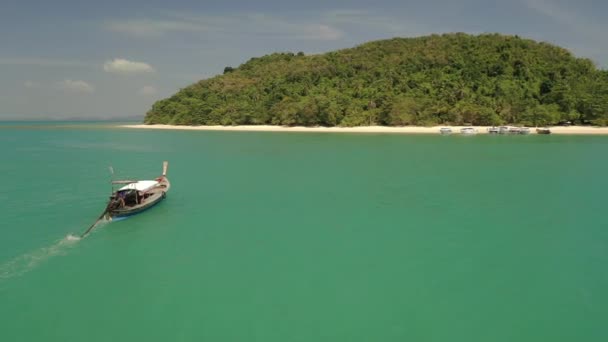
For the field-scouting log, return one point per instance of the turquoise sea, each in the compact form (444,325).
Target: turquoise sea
(304,237)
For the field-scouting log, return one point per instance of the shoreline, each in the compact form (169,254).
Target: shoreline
(572,130)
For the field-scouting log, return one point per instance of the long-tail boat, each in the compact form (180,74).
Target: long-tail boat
(134,197)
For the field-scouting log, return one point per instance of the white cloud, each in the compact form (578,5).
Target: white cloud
(123,66)
(568,17)
(380,24)
(147,91)
(152,28)
(365,18)
(31,84)
(323,32)
(243,24)
(551,10)
(76,86)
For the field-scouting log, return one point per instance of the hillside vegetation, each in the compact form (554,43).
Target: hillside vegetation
(488,79)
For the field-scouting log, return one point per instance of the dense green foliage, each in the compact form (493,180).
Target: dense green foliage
(440,79)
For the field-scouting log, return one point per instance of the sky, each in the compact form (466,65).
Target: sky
(113,59)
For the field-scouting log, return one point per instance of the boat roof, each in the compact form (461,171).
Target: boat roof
(141,185)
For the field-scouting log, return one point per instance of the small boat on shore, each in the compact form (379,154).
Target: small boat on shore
(468,131)
(134,197)
(445,130)
(514,130)
(543,130)
(493,130)
(503,129)
(524,130)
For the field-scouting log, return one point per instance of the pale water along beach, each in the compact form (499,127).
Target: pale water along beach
(575,130)
(310,237)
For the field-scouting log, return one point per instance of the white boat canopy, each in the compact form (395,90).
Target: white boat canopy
(142,185)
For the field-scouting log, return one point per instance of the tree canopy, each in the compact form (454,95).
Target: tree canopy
(457,78)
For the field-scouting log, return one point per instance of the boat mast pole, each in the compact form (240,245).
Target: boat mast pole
(111,179)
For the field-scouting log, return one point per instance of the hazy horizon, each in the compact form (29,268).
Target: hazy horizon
(136,118)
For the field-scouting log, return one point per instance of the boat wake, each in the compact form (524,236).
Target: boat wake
(29,261)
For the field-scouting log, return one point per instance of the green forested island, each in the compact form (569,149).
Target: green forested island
(489,79)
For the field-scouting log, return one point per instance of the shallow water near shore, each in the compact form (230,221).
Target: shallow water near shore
(305,237)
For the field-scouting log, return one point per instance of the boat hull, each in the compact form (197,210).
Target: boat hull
(156,195)
(127,212)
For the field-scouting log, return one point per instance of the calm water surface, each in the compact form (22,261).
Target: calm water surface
(304,237)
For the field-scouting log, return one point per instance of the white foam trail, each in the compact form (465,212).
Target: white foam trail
(28,261)
(71,237)
(97,225)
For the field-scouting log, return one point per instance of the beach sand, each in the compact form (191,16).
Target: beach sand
(584,130)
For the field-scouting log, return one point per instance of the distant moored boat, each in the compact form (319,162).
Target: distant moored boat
(514,130)
(468,131)
(445,130)
(543,130)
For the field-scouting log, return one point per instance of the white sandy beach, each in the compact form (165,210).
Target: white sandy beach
(584,130)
